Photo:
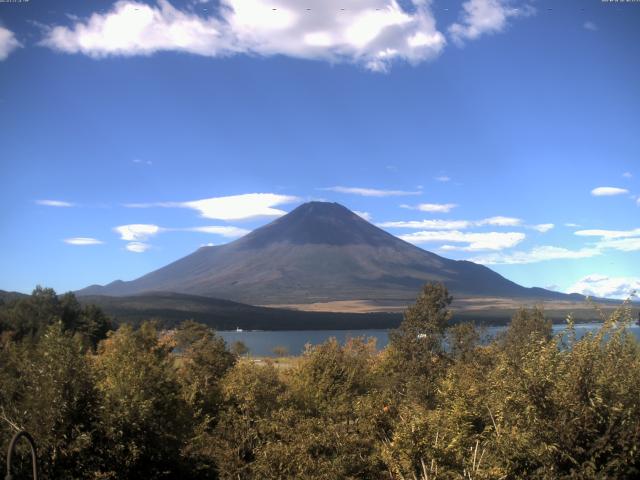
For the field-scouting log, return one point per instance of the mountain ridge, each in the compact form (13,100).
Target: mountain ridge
(318,252)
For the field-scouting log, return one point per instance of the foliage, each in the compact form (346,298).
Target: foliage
(280,351)
(142,421)
(30,316)
(48,390)
(437,403)
(416,355)
(239,348)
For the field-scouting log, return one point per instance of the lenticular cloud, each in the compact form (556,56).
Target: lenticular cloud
(372,33)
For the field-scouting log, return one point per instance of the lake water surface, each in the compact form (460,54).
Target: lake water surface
(261,343)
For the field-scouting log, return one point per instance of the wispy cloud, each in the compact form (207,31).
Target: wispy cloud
(606,287)
(233,207)
(366,215)
(535,255)
(370,192)
(588,25)
(500,221)
(137,247)
(372,33)
(622,240)
(474,241)
(83,241)
(622,244)
(627,175)
(480,17)
(139,161)
(497,221)
(55,203)
(543,227)
(143,232)
(225,231)
(436,207)
(431,207)
(428,224)
(442,178)
(608,233)
(137,232)
(608,191)
(8,43)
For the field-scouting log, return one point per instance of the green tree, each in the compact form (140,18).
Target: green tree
(30,316)
(280,351)
(252,395)
(204,361)
(142,413)
(47,389)
(239,348)
(463,339)
(416,355)
(526,327)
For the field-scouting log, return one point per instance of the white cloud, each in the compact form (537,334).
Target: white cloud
(627,175)
(590,26)
(622,240)
(436,207)
(608,191)
(225,231)
(366,215)
(83,241)
(572,225)
(535,255)
(8,43)
(500,221)
(373,33)
(55,203)
(622,244)
(137,232)
(543,227)
(609,233)
(453,224)
(443,178)
(137,247)
(233,207)
(481,17)
(239,207)
(474,241)
(139,161)
(133,28)
(370,192)
(429,224)
(606,287)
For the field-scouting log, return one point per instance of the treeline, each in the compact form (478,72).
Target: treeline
(147,403)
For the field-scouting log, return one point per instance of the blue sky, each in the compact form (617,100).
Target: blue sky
(506,131)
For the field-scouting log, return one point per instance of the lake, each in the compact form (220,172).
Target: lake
(261,343)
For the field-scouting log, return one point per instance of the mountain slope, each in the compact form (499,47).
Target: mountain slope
(318,252)
(173,308)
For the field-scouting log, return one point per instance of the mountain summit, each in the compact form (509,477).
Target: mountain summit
(319,223)
(319,252)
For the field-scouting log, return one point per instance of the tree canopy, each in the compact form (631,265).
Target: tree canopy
(436,403)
